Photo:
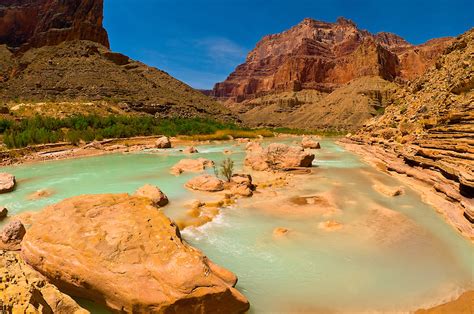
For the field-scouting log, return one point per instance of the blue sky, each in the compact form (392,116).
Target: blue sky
(201,41)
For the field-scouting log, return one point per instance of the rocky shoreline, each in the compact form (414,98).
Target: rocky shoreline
(443,194)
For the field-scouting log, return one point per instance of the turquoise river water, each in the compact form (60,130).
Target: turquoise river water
(392,254)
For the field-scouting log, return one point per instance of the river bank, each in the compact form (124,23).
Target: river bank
(443,194)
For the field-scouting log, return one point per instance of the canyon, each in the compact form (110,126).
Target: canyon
(299,78)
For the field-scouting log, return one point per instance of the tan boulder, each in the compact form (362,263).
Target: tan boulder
(7,182)
(278,157)
(163,142)
(120,251)
(310,143)
(190,150)
(206,183)
(11,236)
(191,165)
(154,194)
(24,290)
(253,147)
(241,185)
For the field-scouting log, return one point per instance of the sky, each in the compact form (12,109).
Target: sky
(200,42)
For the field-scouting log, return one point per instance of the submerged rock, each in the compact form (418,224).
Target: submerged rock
(388,190)
(154,194)
(190,150)
(43,193)
(206,183)
(310,143)
(12,234)
(277,157)
(7,182)
(330,225)
(280,232)
(118,250)
(163,142)
(24,290)
(191,165)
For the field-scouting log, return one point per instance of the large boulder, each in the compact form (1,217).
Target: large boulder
(11,236)
(24,290)
(278,157)
(154,194)
(191,165)
(163,142)
(7,182)
(206,183)
(190,150)
(120,251)
(308,142)
(241,185)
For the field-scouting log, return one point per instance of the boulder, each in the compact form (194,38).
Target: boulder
(190,150)
(24,290)
(3,213)
(163,142)
(253,147)
(118,250)
(310,143)
(7,182)
(278,157)
(12,235)
(191,165)
(241,184)
(154,194)
(206,183)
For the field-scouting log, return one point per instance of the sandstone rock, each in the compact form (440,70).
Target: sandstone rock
(310,143)
(389,191)
(206,183)
(163,142)
(241,185)
(278,157)
(154,194)
(12,235)
(3,213)
(253,147)
(280,232)
(43,193)
(24,290)
(323,56)
(330,225)
(120,244)
(7,182)
(190,150)
(191,165)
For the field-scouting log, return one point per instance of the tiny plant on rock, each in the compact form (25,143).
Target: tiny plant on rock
(227,169)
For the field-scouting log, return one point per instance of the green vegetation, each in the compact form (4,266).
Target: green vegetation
(43,130)
(231,133)
(227,169)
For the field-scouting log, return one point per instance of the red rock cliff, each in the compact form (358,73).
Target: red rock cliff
(320,55)
(35,23)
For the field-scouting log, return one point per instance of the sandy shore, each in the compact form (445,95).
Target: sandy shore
(435,190)
(462,305)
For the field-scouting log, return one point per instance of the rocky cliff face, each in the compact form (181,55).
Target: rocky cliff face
(323,56)
(57,51)
(431,123)
(35,23)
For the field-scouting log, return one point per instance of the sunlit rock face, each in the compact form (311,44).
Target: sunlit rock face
(26,24)
(323,56)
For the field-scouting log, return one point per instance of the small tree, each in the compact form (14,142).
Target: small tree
(227,169)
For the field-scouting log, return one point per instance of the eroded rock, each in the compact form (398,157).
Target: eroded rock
(191,165)
(12,235)
(310,143)
(24,290)
(120,244)
(278,157)
(206,183)
(163,142)
(154,194)
(7,182)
